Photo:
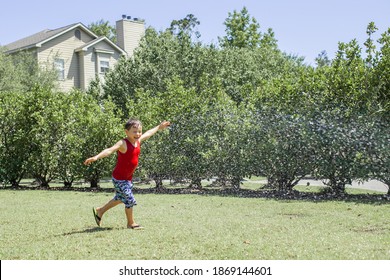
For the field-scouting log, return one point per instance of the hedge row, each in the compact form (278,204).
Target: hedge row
(47,135)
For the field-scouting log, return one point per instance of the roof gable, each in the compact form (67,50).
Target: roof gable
(36,40)
(98,40)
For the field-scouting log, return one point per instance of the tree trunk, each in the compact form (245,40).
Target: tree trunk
(159,183)
(42,181)
(95,183)
(236,181)
(196,183)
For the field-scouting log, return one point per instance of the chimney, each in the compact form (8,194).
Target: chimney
(129,33)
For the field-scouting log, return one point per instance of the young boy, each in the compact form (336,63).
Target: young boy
(128,150)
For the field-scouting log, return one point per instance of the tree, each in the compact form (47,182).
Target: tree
(322,59)
(103,28)
(14,137)
(185,27)
(184,152)
(102,129)
(46,119)
(279,147)
(9,80)
(76,107)
(338,145)
(230,130)
(242,31)
(380,80)
(372,54)
(160,58)
(377,150)
(21,72)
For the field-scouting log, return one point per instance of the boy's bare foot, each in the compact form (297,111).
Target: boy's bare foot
(135,226)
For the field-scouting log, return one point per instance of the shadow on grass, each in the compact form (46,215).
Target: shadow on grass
(88,230)
(294,195)
(376,199)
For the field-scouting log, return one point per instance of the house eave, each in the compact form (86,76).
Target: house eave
(98,40)
(25,48)
(78,25)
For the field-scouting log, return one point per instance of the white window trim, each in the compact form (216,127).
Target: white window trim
(104,64)
(103,51)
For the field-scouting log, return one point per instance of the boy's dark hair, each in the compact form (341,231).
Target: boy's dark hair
(132,123)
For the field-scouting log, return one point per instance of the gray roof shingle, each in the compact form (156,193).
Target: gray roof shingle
(33,40)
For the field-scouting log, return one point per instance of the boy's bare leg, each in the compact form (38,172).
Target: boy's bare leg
(112,203)
(130,219)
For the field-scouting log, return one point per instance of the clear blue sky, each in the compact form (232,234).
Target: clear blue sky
(302,27)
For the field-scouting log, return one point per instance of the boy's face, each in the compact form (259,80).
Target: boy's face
(134,133)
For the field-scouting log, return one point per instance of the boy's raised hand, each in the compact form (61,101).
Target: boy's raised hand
(164,125)
(88,161)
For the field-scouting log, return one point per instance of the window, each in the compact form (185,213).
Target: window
(59,66)
(104,66)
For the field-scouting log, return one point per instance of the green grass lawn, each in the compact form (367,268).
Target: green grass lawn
(37,224)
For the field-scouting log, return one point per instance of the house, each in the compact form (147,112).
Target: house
(77,53)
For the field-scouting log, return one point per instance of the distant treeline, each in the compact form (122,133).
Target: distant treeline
(236,111)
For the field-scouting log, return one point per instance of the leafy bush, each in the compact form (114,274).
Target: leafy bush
(14,138)
(47,135)
(280,148)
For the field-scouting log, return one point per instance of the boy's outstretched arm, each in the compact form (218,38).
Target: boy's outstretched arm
(104,153)
(152,131)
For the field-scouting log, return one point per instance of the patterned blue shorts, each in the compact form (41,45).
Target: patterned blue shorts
(123,192)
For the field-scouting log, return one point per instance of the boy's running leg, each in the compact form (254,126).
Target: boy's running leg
(130,219)
(112,203)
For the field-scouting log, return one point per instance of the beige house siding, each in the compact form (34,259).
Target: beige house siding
(63,47)
(91,59)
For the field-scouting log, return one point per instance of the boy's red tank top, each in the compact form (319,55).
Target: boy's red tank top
(127,162)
